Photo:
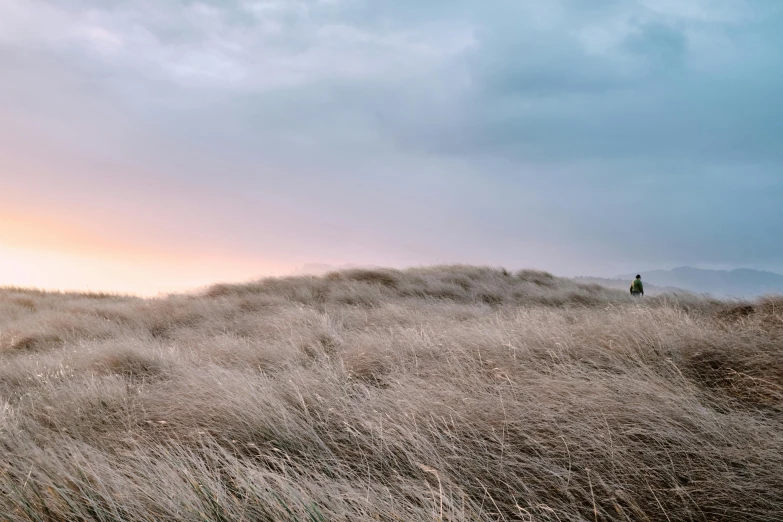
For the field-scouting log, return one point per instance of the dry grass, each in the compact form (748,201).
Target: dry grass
(448,393)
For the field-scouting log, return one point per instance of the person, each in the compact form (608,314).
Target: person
(637,288)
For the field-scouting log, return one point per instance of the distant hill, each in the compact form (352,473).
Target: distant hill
(624,284)
(742,282)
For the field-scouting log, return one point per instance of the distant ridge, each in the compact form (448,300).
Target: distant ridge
(624,284)
(741,282)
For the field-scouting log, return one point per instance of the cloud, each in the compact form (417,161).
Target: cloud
(653,87)
(505,131)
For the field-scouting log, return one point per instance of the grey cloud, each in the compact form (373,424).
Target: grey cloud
(659,42)
(523,87)
(490,126)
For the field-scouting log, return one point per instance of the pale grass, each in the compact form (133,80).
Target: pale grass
(444,393)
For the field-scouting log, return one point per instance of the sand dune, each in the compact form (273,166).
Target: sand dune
(445,393)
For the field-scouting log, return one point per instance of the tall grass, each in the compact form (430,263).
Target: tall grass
(444,393)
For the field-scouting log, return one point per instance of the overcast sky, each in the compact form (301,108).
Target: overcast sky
(149,145)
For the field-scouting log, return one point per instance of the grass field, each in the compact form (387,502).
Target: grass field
(444,393)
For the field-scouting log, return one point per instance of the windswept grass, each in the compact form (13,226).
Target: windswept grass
(444,393)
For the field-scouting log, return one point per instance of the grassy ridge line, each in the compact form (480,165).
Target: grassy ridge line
(445,393)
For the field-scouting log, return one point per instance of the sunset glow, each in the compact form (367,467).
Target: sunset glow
(40,254)
(57,270)
(151,146)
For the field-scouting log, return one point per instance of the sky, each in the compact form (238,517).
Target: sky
(150,146)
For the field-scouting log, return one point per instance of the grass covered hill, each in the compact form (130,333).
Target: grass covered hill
(434,394)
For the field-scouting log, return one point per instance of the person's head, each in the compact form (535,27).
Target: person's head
(638,277)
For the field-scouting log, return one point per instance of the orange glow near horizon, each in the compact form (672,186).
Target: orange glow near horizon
(50,270)
(37,233)
(37,253)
